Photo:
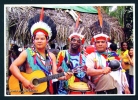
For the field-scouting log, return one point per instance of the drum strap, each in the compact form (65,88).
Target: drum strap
(97,79)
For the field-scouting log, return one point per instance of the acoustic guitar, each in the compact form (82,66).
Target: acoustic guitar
(38,79)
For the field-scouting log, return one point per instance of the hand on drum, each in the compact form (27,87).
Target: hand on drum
(91,85)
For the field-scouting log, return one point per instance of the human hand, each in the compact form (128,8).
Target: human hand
(127,91)
(91,85)
(27,84)
(106,70)
(128,57)
(68,75)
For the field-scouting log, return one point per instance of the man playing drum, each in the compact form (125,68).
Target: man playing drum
(72,58)
(98,67)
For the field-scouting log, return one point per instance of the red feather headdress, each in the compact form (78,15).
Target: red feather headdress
(77,32)
(99,28)
(44,24)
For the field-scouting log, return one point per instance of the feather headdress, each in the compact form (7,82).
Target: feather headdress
(100,29)
(44,24)
(77,31)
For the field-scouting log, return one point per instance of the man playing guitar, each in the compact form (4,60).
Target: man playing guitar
(43,30)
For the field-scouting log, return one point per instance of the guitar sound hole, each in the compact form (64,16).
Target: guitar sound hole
(35,82)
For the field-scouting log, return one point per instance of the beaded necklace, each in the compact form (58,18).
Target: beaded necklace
(47,56)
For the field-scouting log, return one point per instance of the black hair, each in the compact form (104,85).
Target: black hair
(123,43)
(14,50)
(65,47)
(130,47)
(113,47)
(15,47)
(52,46)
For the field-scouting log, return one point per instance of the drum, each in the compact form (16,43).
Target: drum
(79,88)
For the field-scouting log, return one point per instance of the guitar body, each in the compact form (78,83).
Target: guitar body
(14,86)
(38,78)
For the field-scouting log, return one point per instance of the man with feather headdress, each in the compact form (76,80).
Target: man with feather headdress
(43,30)
(105,74)
(73,59)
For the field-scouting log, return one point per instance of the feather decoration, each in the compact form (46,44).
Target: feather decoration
(61,58)
(100,17)
(77,22)
(42,14)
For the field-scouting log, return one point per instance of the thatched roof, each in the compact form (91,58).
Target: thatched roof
(17,19)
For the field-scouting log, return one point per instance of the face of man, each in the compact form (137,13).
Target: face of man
(101,45)
(75,43)
(40,41)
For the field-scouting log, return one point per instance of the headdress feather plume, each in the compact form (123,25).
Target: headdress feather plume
(100,28)
(81,30)
(77,22)
(77,30)
(100,17)
(42,14)
(44,24)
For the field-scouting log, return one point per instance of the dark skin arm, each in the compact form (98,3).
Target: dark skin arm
(54,69)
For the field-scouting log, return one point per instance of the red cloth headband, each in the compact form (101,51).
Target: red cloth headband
(100,38)
(82,40)
(40,30)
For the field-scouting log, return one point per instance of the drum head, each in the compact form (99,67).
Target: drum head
(79,86)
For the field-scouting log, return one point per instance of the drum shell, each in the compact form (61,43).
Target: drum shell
(79,88)
(73,92)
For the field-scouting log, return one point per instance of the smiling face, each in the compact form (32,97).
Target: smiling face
(75,43)
(131,52)
(101,45)
(40,40)
(124,46)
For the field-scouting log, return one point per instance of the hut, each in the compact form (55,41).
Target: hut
(17,23)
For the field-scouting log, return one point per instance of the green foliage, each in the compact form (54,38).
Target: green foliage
(107,8)
(124,14)
(119,14)
(128,24)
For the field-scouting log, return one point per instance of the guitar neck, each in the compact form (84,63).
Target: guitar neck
(48,78)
